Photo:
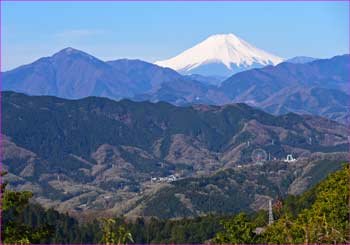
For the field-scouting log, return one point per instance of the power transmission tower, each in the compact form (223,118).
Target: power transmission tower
(270,212)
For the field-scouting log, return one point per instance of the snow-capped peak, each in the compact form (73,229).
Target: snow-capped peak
(227,49)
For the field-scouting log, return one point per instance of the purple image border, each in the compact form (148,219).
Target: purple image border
(216,1)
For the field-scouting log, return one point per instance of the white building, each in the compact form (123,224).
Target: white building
(289,158)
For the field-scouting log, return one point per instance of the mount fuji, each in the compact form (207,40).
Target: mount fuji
(220,55)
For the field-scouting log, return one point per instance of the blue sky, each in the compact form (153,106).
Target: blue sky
(157,30)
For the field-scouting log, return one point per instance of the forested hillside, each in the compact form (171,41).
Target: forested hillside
(320,215)
(98,155)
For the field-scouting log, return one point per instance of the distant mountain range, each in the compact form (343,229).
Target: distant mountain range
(74,74)
(71,73)
(220,55)
(301,60)
(315,87)
(97,154)
(319,87)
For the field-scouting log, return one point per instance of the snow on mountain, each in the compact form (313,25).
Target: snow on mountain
(222,55)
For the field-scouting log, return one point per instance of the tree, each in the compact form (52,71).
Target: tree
(237,231)
(325,221)
(113,234)
(322,219)
(13,231)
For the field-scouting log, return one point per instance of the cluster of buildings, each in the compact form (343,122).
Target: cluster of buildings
(168,179)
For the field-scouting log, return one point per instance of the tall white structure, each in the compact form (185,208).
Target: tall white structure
(270,212)
(290,158)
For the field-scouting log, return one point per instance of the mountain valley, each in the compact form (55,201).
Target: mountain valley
(95,154)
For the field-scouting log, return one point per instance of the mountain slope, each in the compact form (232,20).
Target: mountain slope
(74,74)
(199,230)
(69,73)
(220,55)
(261,83)
(330,103)
(301,60)
(321,215)
(144,76)
(238,189)
(319,87)
(98,154)
(209,80)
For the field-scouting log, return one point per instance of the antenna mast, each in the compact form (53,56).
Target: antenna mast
(270,212)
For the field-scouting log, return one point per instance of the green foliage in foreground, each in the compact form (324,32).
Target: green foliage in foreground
(325,220)
(181,231)
(237,231)
(13,231)
(115,234)
(67,230)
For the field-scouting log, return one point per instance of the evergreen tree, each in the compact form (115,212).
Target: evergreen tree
(14,231)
